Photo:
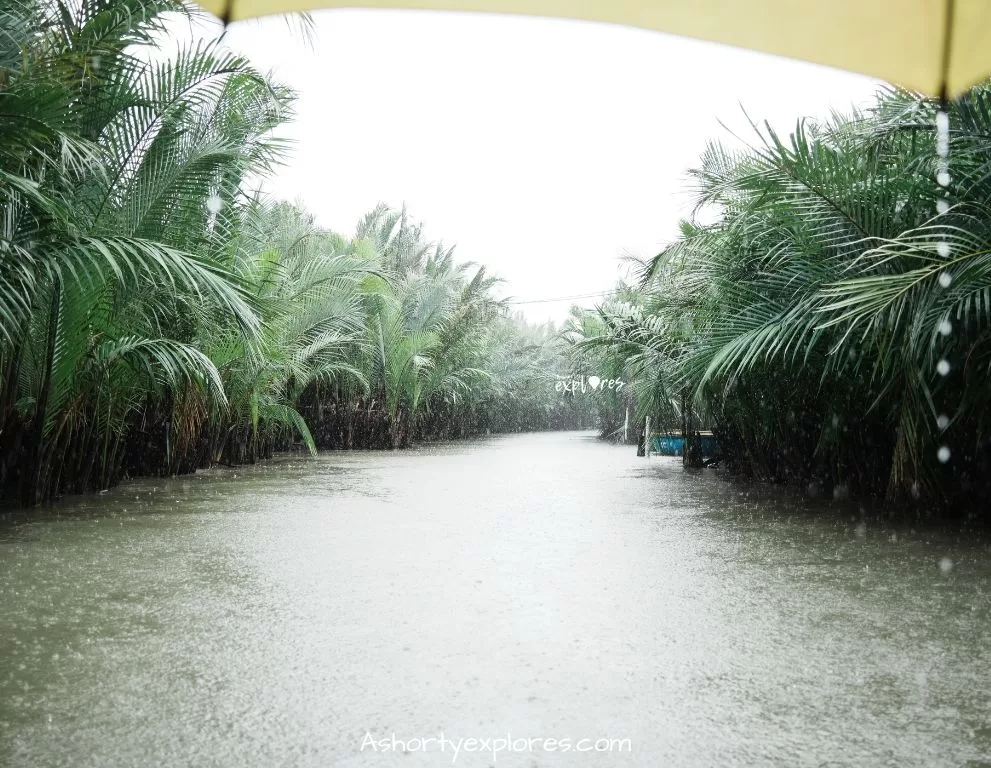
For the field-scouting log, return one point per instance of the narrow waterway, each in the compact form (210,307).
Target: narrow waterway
(544,586)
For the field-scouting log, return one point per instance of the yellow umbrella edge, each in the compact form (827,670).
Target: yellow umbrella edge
(898,41)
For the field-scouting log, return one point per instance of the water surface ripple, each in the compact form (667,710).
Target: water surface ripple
(544,586)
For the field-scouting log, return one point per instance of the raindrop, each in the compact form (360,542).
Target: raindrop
(942,206)
(942,421)
(899,206)
(942,135)
(95,62)
(945,280)
(945,565)
(946,328)
(943,178)
(214,204)
(921,682)
(943,249)
(861,530)
(841,492)
(943,367)
(943,124)
(943,454)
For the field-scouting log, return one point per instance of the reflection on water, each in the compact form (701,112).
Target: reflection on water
(546,586)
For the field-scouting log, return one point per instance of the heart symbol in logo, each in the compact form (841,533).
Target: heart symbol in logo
(594,381)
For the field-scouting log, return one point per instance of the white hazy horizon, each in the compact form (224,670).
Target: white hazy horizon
(545,149)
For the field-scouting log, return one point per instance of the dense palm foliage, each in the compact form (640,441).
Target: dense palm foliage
(593,350)
(435,355)
(107,243)
(831,320)
(157,316)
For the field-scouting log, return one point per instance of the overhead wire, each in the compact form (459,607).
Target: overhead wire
(564,298)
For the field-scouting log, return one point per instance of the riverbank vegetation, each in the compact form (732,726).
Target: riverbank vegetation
(157,315)
(828,309)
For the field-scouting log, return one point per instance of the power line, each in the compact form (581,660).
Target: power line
(564,298)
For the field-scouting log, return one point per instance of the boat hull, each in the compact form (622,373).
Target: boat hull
(674,445)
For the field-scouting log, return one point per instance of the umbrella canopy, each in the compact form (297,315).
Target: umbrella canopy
(937,47)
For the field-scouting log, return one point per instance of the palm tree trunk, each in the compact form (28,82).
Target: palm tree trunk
(29,491)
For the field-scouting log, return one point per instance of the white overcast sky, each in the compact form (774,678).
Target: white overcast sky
(544,149)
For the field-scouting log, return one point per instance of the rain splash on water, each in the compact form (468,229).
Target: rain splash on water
(546,586)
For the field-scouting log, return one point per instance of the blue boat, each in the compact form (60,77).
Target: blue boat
(673,444)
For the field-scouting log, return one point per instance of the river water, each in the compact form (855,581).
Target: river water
(323,612)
